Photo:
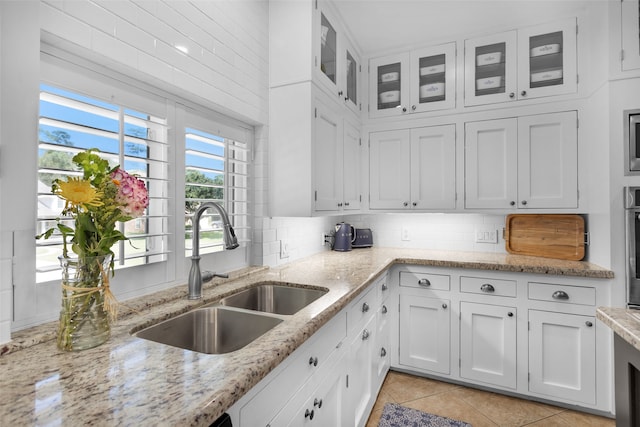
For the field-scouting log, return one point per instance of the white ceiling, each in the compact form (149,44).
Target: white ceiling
(383,25)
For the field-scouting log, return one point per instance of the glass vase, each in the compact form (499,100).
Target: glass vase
(84,322)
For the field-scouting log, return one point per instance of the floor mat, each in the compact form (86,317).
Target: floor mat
(394,415)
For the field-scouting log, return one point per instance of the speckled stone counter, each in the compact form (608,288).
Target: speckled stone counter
(131,381)
(623,321)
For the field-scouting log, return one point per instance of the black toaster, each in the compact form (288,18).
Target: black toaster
(363,238)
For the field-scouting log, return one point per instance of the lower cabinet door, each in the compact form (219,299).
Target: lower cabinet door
(562,356)
(425,333)
(382,355)
(361,368)
(488,343)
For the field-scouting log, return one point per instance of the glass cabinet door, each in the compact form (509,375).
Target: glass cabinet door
(328,49)
(351,95)
(490,69)
(389,85)
(547,59)
(433,78)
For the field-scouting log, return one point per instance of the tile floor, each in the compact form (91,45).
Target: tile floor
(476,407)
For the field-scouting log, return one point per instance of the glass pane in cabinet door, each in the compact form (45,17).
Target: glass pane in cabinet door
(545,59)
(328,49)
(490,69)
(432,78)
(352,79)
(389,86)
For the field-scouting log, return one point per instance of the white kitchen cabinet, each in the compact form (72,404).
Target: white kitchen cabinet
(425,331)
(562,358)
(526,63)
(630,17)
(413,169)
(488,343)
(413,82)
(361,372)
(529,162)
(314,155)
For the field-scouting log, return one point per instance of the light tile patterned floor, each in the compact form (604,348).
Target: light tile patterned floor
(478,408)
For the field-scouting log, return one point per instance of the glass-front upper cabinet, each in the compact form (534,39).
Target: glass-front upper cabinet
(528,63)
(490,69)
(389,85)
(630,16)
(337,63)
(433,74)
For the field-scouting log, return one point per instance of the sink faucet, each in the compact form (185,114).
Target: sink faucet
(230,242)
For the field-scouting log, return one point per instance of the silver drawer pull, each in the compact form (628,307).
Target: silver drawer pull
(365,307)
(308,414)
(560,295)
(365,335)
(588,323)
(313,361)
(384,309)
(317,402)
(424,282)
(383,352)
(488,288)
(384,287)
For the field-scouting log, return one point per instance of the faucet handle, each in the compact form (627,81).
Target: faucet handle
(208,275)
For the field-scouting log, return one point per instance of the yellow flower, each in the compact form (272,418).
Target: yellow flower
(79,192)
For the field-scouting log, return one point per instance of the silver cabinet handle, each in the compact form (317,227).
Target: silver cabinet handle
(413,107)
(488,288)
(404,109)
(365,335)
(384,309)
(523,93)
(588,323)
(383,352)
(512,203)
(414,204)
(317,402)
(365,307)
(444,306)
(308,414)
(524,203)
(424,282)
(512,95)
(384,287)
(562,295)
(510,314)
(405,204)
(313,361)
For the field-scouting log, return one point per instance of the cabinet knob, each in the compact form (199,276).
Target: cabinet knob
(404,109)
(313,361)
(524,203)
(346,203)
(512,95)
(384,287)
(560,295)
(340,93)
(383,352)
(415,204)
(512,203)
(317,402)
(487,287)
(510,314)
(365,335)
(308,414)
(365,307)
(346,98)
(339,205)
(424,282)
(405,204)
(413,107)
(588,323)
(384,309)
(523,93)
(444,306)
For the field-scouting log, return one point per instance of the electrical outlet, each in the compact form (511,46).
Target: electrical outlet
(284,249)
(486,235)
(405,234)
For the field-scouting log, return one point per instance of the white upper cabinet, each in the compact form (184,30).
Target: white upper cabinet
(630,17)
(413,82)
(528,63)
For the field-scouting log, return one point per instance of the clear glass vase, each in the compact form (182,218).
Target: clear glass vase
(84,322)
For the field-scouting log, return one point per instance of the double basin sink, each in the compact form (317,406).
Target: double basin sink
(234,321)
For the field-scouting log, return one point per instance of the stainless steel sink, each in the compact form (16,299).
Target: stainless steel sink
(273,298)
(211,330)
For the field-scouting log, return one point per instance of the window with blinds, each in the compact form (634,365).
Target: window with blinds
(71,122)
(216,169)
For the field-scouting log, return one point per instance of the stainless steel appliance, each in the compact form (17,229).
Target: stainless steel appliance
(632,138)
(632,207)
(363,238)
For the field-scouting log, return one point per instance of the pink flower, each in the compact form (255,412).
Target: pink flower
(132,196)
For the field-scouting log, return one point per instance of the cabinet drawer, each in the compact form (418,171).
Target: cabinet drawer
(562,293)
(480,285)
(436,282)
(363,308)
(310,358)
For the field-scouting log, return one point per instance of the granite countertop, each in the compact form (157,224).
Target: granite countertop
(623,321)
(131,381)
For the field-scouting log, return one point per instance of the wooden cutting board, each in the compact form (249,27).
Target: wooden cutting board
(545,235)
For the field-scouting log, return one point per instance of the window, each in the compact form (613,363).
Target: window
(216,169)
(71,122)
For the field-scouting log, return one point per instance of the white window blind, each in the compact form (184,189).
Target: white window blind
(71,122)
(216,169)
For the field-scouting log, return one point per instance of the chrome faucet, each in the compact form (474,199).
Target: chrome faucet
(230,242)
